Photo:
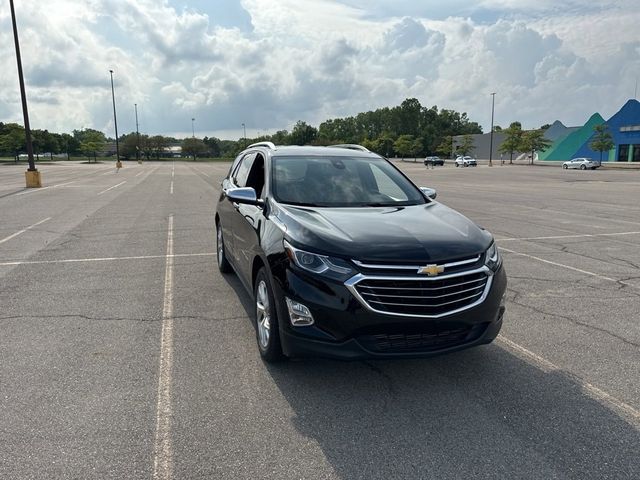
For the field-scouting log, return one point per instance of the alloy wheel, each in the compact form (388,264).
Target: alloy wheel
(263,315)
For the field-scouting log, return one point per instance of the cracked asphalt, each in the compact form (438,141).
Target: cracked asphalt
(557,396)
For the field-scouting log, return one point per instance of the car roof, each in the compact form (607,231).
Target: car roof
(293,150)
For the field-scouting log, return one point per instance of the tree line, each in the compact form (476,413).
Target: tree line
(403,130)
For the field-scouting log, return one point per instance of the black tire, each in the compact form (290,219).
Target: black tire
(583,167)
(223,263)
(564,167)
(267,327)
(457,165)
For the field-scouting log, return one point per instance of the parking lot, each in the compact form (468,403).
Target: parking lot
(124,353)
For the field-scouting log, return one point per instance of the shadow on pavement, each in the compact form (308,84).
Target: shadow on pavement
(481,413)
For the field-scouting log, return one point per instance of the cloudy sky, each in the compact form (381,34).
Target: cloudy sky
(269,63)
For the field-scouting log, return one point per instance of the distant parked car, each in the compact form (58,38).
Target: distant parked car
(434,161)
(582,163)
(466,161)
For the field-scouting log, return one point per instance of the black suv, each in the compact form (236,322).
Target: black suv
(345,257)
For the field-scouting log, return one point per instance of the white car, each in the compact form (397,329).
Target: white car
(582,163)
(466,161)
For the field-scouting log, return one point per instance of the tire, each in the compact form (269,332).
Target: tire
(457,165)
(223,263)
(267,330)
(564,167)
(583,167)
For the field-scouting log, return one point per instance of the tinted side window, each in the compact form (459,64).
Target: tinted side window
(242,172)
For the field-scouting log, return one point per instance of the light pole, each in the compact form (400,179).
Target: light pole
(244,141)
(32,176)
(135,105)
(115,122)
(493,101)
(193,129)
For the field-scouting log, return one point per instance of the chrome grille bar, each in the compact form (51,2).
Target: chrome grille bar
(372,292)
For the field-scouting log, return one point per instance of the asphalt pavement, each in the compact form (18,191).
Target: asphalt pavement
(124,353)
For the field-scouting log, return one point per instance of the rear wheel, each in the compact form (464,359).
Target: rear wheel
(267,332)
(583,167)
(223,264)
(457,165)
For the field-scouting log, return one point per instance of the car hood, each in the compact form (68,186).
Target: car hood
(421,233)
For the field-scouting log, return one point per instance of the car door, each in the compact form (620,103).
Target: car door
(248,218)
(229,210)
(226,210)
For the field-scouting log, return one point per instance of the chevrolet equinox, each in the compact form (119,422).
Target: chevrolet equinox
(345,257)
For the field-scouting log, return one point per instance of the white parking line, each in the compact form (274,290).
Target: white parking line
(101,259)
(24,230)
(560,237)
(163,461)
(34,190)
(140,173)
(111,188)
(586,272)
(591,389)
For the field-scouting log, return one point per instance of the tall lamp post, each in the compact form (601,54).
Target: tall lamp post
(115,122)
(193,129)
(135,105)
(32,175)
(244,139)
(493,101)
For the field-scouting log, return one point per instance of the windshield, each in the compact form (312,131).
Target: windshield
(341,182)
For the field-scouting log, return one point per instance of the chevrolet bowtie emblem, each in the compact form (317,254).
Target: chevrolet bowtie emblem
(431,270)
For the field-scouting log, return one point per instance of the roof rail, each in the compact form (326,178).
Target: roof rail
(270,145)
(351,146)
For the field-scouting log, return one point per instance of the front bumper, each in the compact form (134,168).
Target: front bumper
(345,329)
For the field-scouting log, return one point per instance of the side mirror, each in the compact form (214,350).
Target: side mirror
(245,195)
(429,192)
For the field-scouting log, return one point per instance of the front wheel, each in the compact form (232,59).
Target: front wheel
(583,167)
(564,167)
(457,165)
(267,333)
(223,263)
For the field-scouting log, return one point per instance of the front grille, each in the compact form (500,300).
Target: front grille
(428,297)
(417,342)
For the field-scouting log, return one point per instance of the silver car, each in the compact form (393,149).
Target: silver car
(582,163)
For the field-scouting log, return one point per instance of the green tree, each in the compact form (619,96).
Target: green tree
(532,141)
(466,146)
(446,147)
(213,145)
(129,145)
(12,139)
(602,141)
(157,145)
(405,145)
(92,142)
(193,147)
(303,134)
(512,140)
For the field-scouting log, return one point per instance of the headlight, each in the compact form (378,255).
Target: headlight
(492,257)
(322,264)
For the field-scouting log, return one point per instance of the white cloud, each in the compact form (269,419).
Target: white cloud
(316,59)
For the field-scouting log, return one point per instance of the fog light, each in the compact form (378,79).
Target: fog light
(299,314)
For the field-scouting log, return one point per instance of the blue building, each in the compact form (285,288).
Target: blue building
(624,127)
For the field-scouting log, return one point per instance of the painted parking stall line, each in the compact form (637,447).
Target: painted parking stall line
(569,267)
(111,188)
(163,454)
(6,239)
(591,389)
